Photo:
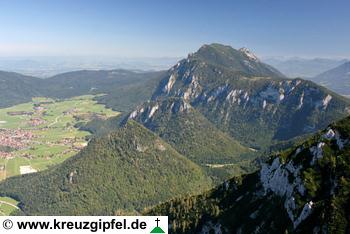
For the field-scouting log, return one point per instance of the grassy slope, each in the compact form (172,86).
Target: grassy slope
(7,206)
(226,56)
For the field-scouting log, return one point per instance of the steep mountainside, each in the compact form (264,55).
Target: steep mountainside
(304,189)
(124,171)
(191,134)
(337,79)
(249,100)
(16,88)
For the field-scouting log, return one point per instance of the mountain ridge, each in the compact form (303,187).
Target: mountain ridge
(116,85)
(16,88)
(303,189)
(304,67)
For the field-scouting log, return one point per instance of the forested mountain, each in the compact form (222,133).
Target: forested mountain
(191,134)
(16,88)
(304,189)
(124,171)
(122,89)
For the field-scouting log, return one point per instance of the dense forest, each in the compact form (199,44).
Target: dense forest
(124,171)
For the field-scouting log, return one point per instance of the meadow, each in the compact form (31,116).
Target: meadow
(7,206)
(42,133)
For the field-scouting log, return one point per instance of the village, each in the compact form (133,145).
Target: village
(14,139)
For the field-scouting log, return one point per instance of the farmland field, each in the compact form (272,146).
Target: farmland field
(7,206)
(42,133)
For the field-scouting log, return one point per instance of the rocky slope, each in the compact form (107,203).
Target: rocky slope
(304,189)
(249,100)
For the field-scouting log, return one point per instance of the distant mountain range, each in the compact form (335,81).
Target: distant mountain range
(124,89)
(336,79)
(331,73)
(194,126)
(304,68)
(45,67)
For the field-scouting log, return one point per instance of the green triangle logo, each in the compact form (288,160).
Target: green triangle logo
(157,230)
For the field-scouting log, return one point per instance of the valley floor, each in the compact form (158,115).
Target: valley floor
(42,133)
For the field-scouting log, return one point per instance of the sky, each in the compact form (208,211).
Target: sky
(160,28)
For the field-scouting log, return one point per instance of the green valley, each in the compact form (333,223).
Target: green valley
(43,132)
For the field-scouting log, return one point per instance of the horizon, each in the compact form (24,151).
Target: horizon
(130,29)
(278,57)
(46,66)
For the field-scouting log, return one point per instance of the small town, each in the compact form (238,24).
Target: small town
(14,139)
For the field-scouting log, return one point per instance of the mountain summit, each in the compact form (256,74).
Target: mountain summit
(249,54)
(247,99)
(241,60)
